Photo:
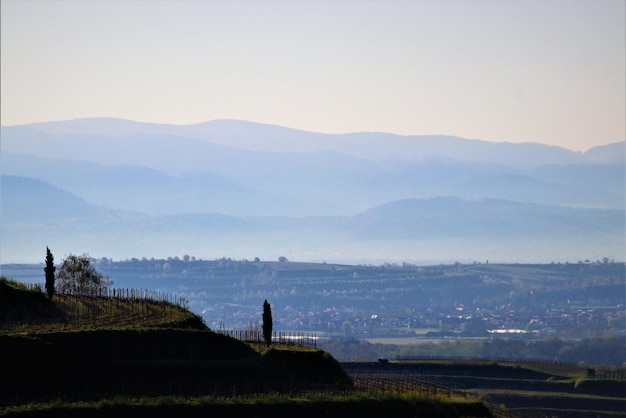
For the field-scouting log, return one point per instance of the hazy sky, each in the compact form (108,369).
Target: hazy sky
(544,71)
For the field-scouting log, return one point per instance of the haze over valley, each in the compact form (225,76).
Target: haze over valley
(122,189)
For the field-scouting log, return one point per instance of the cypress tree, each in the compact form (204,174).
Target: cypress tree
(49,270)
(267,323)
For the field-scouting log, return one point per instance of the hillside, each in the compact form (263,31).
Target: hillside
(35,201)
(182,174)
(521,389)
(263,137)
(442,229)
(119,188)
(179,369)
(195,372)
(155,355)
(137,363)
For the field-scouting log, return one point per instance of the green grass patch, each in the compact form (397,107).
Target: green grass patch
(262,348)
(28,311)
(313,404)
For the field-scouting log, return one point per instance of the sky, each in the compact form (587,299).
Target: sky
(547,71)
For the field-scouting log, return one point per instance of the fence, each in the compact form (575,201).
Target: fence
(115,293)
(98,307)
(618,374)
(382,378)
(303,339)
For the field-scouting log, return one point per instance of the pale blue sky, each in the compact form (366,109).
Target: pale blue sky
(504,70)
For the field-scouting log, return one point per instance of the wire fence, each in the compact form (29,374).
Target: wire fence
(96,307)
(383,379)
(302,339)
(117,293)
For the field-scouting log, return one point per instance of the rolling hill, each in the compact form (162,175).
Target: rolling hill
(36,214)
(232,188)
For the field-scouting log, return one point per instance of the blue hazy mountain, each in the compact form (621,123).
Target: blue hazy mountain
(119,188)
(374,145)
(36,214)
(133,137)
(317,183)
(243,168)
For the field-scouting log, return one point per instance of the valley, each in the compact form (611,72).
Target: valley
(480,303)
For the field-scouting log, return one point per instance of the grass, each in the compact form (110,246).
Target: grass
(310,404)
(527,389)
(415,339)
(27,311)
(535,394)
(572,371)
(10,283)
(263,348)
(553,403)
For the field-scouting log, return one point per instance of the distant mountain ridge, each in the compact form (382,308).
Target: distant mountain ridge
(245,168)
(411,229)
(375,145)
(233,187)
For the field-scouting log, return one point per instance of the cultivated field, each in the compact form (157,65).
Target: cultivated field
(518,389)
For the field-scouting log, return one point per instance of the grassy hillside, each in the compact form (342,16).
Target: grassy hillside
(266,406)
(18,304)
(135,347)
(24,309)
(85,365)
(76,356)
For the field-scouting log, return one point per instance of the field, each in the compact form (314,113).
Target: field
(518,389)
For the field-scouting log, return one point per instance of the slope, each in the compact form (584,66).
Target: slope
(404,230)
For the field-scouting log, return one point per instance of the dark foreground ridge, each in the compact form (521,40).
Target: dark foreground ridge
(87,365)
(179,368)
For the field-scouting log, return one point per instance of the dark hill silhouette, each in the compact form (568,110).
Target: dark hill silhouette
(19,304)
(187,359)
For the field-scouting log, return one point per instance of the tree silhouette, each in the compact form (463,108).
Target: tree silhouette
(267,323)
(49,270)
(77,275)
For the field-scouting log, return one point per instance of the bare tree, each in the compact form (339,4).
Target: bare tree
(77,275)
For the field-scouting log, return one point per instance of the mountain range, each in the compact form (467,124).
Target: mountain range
(124,189)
